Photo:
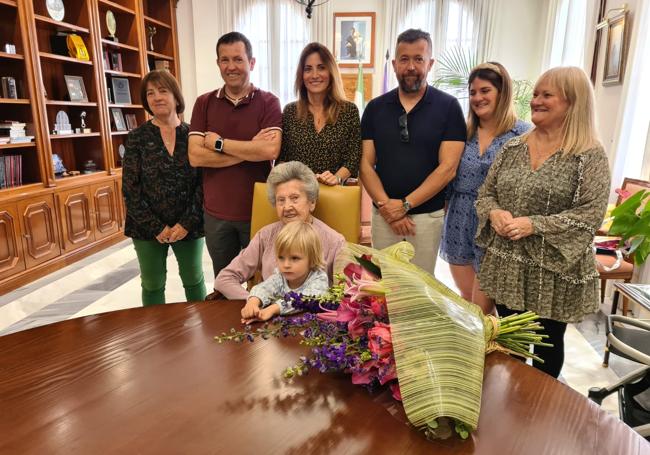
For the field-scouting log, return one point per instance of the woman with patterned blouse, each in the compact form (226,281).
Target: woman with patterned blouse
(491,122)
(321,129)
(539,208)
(163,193)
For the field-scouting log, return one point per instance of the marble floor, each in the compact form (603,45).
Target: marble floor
(109,281)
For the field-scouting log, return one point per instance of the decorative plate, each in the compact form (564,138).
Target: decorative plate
(55,9)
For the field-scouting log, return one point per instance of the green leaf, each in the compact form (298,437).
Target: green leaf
(369,266)
(630,205)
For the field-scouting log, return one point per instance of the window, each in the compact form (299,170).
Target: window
(278,31)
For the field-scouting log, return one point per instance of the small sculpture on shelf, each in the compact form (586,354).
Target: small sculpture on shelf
(83,129)
(111,26)
(89,167)
(62,124)
(151,31)
(57,165)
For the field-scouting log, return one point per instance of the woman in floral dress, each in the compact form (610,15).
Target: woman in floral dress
(491,122)
(539,208)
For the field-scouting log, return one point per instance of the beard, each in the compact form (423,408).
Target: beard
(410,88)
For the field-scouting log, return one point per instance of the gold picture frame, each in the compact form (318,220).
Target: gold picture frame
(616,50)
(354,39)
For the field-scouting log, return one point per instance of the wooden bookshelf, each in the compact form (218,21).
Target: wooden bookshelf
(49,218)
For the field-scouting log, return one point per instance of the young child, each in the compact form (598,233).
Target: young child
(299,268)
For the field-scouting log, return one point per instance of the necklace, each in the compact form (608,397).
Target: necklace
(167,134)
(235,101)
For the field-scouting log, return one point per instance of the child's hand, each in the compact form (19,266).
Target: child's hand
(251,310)
(268,312)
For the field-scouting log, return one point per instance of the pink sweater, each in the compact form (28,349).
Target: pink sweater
(261,252)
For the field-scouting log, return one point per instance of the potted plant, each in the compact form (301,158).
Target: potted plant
(631,222)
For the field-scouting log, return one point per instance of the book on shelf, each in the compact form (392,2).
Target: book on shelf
(9,89)
(11,171)
(162,64)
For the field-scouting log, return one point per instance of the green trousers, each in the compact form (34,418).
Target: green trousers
(152,257)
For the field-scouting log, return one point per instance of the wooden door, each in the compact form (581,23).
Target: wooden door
(11,249)
(76,220)
(37,223)
(104,209)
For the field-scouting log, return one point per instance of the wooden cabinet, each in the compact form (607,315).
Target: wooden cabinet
(11,249)
(104,209)
(75,216)
(39,231)
(48,217)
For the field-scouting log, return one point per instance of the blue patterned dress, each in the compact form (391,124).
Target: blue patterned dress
(457,245)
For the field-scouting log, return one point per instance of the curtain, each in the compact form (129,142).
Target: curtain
(568,32)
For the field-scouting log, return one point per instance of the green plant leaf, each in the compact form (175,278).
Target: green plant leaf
(630,205)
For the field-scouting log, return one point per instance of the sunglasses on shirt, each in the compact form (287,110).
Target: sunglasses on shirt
(404,130)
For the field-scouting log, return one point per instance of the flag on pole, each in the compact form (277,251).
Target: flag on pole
(358,94)
(384,86)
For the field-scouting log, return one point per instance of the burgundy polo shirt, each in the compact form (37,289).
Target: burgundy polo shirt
(228,191)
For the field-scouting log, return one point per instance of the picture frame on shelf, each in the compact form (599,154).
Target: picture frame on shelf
(616,50)
(121,91)
(354,39)
(76,88)
(131,121)
(118,119)
(116,61)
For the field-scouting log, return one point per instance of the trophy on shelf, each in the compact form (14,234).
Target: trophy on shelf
(151,31)
(111,26)
(83,129)
(62,124)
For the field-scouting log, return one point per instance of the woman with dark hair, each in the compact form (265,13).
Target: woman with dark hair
(163,193)
(321,129)
(491,122)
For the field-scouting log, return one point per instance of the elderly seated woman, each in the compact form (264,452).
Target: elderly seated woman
(293,191)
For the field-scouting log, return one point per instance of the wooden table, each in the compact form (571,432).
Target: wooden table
(153,380)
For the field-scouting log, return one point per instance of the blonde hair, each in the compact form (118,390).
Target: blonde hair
(579,126)
(504,113)
(301,237)
(335,94)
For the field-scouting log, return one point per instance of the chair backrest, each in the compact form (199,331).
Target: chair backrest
(633,186)
(338,206)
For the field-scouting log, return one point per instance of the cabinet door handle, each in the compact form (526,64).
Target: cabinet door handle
(27,236)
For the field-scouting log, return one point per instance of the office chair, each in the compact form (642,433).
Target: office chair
(630,339)
(338,206)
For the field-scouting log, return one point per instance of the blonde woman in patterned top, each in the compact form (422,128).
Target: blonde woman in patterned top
(539,208)
(321,129)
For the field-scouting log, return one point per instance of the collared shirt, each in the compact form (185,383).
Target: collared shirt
(228,191)
(403,166)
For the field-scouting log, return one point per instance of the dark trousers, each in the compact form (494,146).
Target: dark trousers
(225,239)
(553,357)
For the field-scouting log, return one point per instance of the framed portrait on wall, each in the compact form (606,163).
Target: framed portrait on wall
(616,50)
(354,39)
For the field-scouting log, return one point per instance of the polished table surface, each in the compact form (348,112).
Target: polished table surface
(153,380)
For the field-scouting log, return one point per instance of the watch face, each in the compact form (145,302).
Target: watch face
(111,24)
(55,9)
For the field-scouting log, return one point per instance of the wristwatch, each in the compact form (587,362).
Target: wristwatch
(406,204)
(218,145)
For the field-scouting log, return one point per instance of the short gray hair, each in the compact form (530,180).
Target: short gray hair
(292,170)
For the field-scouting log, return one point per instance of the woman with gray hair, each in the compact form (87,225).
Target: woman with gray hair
(293,191)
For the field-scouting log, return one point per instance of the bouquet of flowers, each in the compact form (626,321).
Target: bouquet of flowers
(389,323)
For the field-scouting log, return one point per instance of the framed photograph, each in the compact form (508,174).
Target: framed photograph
(116,61)
(121,92)
(131,121)
(76,88)
(118,119)
(616,50)
(354,39)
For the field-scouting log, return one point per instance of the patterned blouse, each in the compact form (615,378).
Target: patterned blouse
(160,189)
(336,145)
(553,271)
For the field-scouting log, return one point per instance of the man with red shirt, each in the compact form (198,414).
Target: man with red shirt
(234,136)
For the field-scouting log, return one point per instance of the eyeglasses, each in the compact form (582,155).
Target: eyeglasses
(403,124)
